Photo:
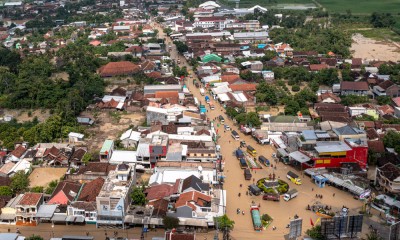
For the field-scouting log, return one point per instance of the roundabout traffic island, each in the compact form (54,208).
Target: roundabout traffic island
(271,185)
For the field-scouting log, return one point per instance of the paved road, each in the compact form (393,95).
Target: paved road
(281,211)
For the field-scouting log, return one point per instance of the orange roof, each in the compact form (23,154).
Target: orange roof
(118,68)
(154,75)
(243,87)
(95,43)
(30,199)
(230,78)
(166,94)
(191,198)
(318,67)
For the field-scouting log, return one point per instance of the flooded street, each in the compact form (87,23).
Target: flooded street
(281,211)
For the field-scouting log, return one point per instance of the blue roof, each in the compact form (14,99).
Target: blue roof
(309,135)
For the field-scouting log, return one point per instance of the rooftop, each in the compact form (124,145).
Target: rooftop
(331,146)
(30,199)
(113,187)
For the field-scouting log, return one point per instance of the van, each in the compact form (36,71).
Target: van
(221,118)
(272,197)
(247,174)
(235,135)
(254,190)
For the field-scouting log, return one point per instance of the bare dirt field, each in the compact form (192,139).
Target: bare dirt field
(369,49)
(43,176)
(22,114)
(110,125)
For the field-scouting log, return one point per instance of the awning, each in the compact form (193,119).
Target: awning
(282,152)
(7,216)
(75,219)
(299,157)
(59,218)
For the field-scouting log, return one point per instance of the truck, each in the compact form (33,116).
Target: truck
(239,154)
(202,91)
(264,160)
(207,99)
(254,190)
(247,174)
(293,177)
(292,193)
(256,217)
(243,163)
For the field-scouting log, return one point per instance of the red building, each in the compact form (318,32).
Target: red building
(332,154)
(158,148)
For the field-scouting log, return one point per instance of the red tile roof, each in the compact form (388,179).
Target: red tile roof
(118,68)
(243,87)
(396,101)
(318,67)
(386,109)
(191,198)
(91,189)
(230,78)
(154,75)
(166,94)
(361,86)
(30,199)
(327,95)
(159,191)
(19,151)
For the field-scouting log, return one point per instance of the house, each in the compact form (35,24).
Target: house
(251,36)
(114,197)
(106,150)
(388,177)
(191,204)
(318,67)
(386,88)
(23,165)
(396,102)
(27,208)
(130,138)
(80,212)
(194,183)
(123,68)
(75,137)
(76,158)
(90,190)
(348,132)
(148,66)
(85,121)
(328,97)
(356,64)
(8,212)
(354,88)
(17,154)
(268,75)
(91,171)
(161,191)
(65,193)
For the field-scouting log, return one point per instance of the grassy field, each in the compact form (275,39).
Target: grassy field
(361,6)
(357,7)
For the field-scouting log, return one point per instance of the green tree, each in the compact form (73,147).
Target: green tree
(170,222)
(181,47)
(295,88)
(138,196)
(86,158)
(382,20)
(19,182)
(392,140)
(382,100)
(315,233)
(34,237)
(52,185)
(37,189)
(5,191)
(292,107)
(224,222)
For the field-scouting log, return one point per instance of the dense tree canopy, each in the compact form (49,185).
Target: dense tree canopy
(181,47)
(392,140)
(19,182)
(138,197)
(382,20)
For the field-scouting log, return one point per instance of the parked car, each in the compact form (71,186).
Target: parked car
(227,128)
